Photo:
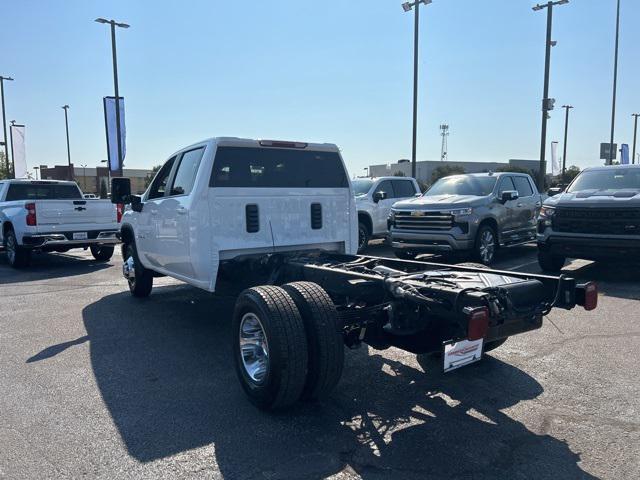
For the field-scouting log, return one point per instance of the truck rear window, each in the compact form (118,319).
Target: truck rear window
(34,191)
(277,168)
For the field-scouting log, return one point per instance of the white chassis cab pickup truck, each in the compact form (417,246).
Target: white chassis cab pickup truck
(280,218)
(53,216)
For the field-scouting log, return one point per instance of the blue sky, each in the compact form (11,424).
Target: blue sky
(331,71)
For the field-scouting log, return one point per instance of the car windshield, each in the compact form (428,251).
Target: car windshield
(361,186)
(613,179)
(463,185)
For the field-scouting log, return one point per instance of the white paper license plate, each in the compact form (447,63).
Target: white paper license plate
(80,235)
(461,353)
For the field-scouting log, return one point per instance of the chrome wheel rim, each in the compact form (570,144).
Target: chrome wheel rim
(487,246)
(361,238)
(129,268)
(11,248)
(254,349)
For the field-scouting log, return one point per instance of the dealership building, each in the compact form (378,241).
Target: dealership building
(90,178)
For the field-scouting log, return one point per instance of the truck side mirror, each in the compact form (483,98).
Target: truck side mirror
(120,190)
(509,195)
(379,196)
(555,191)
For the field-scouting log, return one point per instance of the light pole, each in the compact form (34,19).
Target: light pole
(547,103)
(4,123)
(115,24)
(635,135)
(109,171)
(407,6)
(566,130)
(66,124)
(615,85)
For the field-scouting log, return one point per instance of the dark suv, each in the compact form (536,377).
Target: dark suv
(596,218)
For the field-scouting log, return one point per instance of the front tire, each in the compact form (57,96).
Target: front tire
(324,340)
(101,253)
(17,256)
(550,263)
(486,245)
(363,236)
(141,281)
(270,347)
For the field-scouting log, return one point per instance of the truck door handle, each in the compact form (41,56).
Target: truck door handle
(181,210)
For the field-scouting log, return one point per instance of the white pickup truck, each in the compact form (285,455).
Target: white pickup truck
(280,217)
(53,216)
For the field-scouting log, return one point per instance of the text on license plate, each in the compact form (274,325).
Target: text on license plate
(462,353)
(80,235)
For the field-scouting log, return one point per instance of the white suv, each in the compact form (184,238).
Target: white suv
(374,198)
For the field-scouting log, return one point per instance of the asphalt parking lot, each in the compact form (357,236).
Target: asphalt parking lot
(98,384)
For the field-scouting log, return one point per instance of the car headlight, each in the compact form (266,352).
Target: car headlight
(547,211)
(392,216)
(461,212)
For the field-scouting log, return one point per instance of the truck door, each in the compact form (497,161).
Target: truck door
(173,249)
(527,207)
(149,231)
(505,210)
(383,207)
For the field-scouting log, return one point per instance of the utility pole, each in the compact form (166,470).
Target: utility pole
(615,85)
(4,123)
(547,103)
(566,130)
(407,6)
(444,131)
(66,124)
(113,25)
(635,135)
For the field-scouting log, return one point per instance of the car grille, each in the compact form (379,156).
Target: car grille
(421,220)
(618,221)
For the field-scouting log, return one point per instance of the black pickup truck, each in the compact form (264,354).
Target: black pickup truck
(596,218)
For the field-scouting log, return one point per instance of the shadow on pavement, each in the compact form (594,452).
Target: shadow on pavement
(45,266)
(165,371)
(613,279)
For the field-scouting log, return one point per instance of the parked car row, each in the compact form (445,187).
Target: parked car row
(597,217)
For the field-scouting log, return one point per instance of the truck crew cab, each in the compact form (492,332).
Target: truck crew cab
(281,217)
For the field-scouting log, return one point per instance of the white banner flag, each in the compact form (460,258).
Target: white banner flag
(555,161)
(18,150)
(112,136)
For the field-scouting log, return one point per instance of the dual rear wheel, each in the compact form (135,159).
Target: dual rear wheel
(287,345)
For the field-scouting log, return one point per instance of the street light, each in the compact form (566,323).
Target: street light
(108,171)
(407,6)
(615,85)
(4,123)
(547,103)
(115,24)
(66,124)
(566,129)
(635,135)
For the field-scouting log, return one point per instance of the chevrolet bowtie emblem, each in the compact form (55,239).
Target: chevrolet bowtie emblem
(417,213)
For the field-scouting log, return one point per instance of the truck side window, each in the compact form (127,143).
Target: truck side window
(506,185)
(386,187)
(523,186)
(186,173)
(159,184)
(403,188)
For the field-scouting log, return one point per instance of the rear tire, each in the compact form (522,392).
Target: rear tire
(140,286)
(324,340)
(550,263)
(272,362)
(17,256)
(101,253)
(363,236)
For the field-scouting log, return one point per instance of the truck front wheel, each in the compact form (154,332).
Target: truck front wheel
(270,347)
(17,256)
(486,244)
(550,263)
(102,253)
(324,340)
(363,236)
(139,278)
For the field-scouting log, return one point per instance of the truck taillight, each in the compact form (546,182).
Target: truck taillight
(119,211)
(587,295)
(478,325)
(31,214)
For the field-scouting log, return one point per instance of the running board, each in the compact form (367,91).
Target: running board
(517,244)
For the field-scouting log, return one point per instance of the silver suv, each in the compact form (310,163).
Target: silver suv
(475,213)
